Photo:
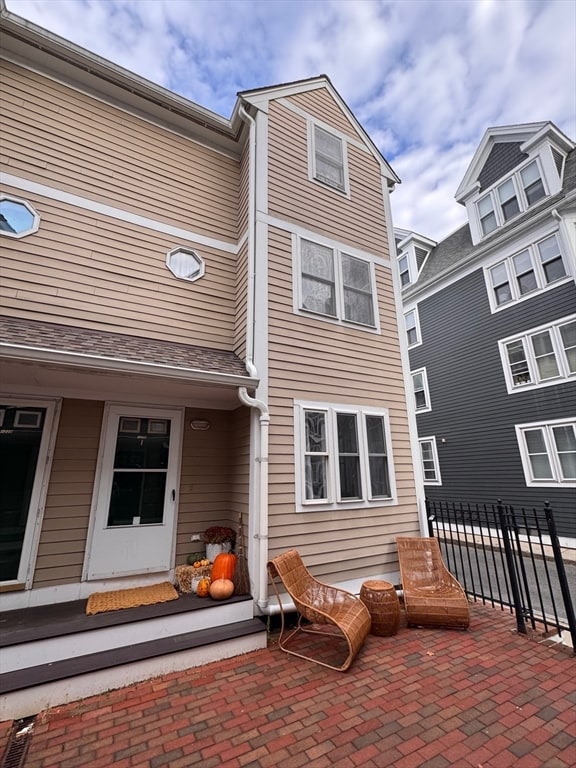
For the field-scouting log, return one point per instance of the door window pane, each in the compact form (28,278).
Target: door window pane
(137,496)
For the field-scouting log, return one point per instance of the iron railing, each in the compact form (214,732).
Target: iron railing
(509,557)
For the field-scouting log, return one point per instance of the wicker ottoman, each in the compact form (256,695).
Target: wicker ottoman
(382,602)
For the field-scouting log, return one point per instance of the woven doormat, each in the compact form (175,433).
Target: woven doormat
(101,602)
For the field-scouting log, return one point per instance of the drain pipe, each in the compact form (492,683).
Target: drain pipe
(261,452)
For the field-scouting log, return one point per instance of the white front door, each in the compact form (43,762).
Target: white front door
(134,508)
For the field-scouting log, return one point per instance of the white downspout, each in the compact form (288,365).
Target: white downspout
(261,453)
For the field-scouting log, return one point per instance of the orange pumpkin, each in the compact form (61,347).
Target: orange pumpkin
(221,589)
(224,566)
(203,588)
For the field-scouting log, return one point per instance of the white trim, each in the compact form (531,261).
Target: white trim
(311,144)
(327,127)
(421,372)
(565,375)
(37,503)
(432,440)
(115,213)
(545,426)
(193,254)
(339,319)
(35,217)
(332,503)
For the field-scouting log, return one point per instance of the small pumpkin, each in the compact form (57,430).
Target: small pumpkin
(224,566)
(221,589)
(203,588)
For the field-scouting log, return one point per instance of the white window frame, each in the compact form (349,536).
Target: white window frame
(432,441)
(35,217)
(332,503)
(492,193)
(418,341)
(405,255)
(188,252)
(564,373)
(428,404)
(337,252)
(312,173)
(541,283)
(551,452)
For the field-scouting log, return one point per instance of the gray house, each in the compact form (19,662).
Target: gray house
(490,317)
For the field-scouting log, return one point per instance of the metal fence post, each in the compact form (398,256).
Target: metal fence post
(562,578)
(429,518)
(518,607)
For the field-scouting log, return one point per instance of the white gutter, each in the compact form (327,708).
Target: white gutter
(259,506)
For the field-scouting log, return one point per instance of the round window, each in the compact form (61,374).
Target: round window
(17,217)
(185,264)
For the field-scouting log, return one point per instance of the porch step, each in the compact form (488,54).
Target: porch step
(94,662)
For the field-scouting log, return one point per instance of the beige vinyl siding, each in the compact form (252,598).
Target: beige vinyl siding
(55,135)
(89,270)
(241,286)
(311,359)
(241,472)
(358,221)
(320,105)
(67,512)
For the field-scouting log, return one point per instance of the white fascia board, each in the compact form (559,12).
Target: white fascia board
(551,133)
(119,365)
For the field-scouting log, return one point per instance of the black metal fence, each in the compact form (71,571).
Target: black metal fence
(508,557)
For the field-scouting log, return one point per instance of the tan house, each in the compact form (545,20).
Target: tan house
(199,320)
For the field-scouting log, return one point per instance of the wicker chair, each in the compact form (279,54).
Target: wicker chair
(432,596)
(320,604)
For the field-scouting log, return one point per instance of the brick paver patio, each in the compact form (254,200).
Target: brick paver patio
(486,698)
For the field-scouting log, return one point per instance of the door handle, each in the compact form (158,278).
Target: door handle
(173,495)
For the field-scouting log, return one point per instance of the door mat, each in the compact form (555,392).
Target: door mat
(101,602)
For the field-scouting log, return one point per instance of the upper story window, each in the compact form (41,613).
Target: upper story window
(429,459)
(185,264)
(17,217)
(404,269)
(508,199)
(328,159)
(343,456)
(412,327)
(336,284)
(531,270)
(548,452)
(540,357)
(421,391)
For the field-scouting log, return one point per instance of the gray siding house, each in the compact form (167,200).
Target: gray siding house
(490,317)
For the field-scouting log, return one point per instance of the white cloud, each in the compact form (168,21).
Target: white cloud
(425,77)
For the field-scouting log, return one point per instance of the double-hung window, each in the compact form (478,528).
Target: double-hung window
(548,452)
(531,270)
(336,284)
(510,198)
(421,392)
(404,269)
(412,327)
(429,458)
(540,357)
(343,456)
(329,159)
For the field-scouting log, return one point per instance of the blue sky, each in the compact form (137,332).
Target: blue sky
(424,77)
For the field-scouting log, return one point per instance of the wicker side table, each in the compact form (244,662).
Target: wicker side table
(382,602)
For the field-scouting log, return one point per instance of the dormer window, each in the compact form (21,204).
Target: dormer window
(510,198)
(404,269)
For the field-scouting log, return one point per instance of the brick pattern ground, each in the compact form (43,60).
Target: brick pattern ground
(486,698)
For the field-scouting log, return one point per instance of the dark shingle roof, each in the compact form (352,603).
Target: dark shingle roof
(117,346)
(458,245)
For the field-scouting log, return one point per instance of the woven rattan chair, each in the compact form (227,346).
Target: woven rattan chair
(432,596)
(320,604)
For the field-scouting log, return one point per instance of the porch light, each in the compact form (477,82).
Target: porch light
(200,425)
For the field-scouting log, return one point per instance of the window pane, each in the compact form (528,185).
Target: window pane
(535,441)
(318,297)
(357,282)
(533,187)
(503,294)
(508,201)
(554,270)
(525,272)
(499,274)
(541,467)
(317,260)
(137,494)
(315,477)
(551,259)
(315,425)
(489,223)
(329,158)
(518,363)
(350,485)
(358,307)
(379,484)
(545,357)
(568,334)
(485,205)
(347,433)
(565,438)
(328,145)
(141,450)
(375,434)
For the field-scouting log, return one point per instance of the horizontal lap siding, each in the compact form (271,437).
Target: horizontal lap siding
(67,512)
(57,136)
(358,221)
(310,359)
(320,104)
(85,269)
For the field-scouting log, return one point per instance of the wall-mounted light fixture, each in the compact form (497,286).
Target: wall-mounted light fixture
(200,425)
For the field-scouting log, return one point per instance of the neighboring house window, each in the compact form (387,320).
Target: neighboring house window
(531,270)
(510,198)
(343,456)
(412,327)
(404,269)
(336,284)
(421,392)
(329,159)
(429,458)
(17,217)
(543,356)
(185,264)
(548,452)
